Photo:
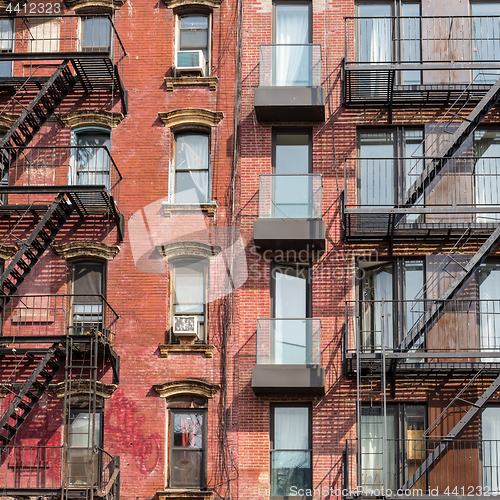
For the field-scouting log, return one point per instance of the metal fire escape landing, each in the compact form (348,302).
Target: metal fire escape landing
(30,393)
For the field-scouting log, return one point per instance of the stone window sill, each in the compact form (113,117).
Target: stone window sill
(169,208)
(190,81)
(166,349)
(172,494)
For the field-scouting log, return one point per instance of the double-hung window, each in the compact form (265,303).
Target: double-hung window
(291,450)
(92,158)
(194,38)
(6,45)
(87,302)
(96,34)
(187,448)
(192,168)
(189,295)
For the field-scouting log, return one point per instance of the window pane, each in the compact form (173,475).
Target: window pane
(186,468)
(490,420)
(92,161)
(192,187)
(188,430)
(96,33)
(290,468)
(291,428)
(194,39)
(189,284)
(194,22)
(292,154)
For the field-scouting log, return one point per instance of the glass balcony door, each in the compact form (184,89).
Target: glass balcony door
(485,39)
(291,340)
(293,188)
(489,310)
(490,420)
(293,52)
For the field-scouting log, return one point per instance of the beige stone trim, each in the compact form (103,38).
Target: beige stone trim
(174,4)
(187,249)
(83,387)
(91,117)
(105,6)
(7,119)
(208,208)
(190,387)
(191,116)
(77,249)
(184,494)
(190,81)
(207,349)
(7,252)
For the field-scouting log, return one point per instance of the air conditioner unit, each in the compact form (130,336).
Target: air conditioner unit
(190,62)
(186,325)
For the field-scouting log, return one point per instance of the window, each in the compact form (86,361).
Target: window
(85,431)
(405,450)
(291,298)
(187,448)
(192,168)
(293,49)
(490,430)
(194,30)
(489,307)
(383,39)
(293,187)
(92,158)
(88,283)
(486,44)
(189,296)
(96,34)
(291,449)
(385,156)
(43,35)
(381,285)
(6,45)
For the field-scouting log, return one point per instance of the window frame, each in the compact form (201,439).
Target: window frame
(184,262)
(96,48)
(203,473)
(272,449)
(192,132)
(75,136)
(195,12)
(71,288)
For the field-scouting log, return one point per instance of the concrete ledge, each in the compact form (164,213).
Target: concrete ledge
(290,104)
(288,380)
(289,234)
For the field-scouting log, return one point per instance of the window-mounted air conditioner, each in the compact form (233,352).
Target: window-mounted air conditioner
(186,325)
(190,62)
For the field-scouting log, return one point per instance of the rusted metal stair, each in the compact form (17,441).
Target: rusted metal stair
(30,393)
(33,248)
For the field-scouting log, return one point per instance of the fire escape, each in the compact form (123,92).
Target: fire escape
(438,338)
(55,343)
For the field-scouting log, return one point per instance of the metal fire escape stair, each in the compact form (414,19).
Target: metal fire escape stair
(30,393)
(435,166)
(38,111)
(459,427)
(33,248)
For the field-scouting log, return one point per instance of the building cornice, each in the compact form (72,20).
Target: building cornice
(191,117)
(187,387)
(91,117)
(77,249)
(83,387)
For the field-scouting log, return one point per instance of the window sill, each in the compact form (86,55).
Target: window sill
(175,493)
(189,81)
(166,349)
(169,208)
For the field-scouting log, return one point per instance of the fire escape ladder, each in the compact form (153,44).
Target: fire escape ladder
(33,248)
(434,167)
(436,309)
(459,427)
(32,390)
(38,111)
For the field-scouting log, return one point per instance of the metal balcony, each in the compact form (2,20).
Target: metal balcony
(378,468)
(290,84)
(87,173)
(465,337)
(91,42)
(288,357)
(290,213)
(464,196)
(410,61)
(43,471)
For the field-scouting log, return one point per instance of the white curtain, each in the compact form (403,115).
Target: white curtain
(93,161)
(293,58)
(192,168)
(373,474)
(490,420)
